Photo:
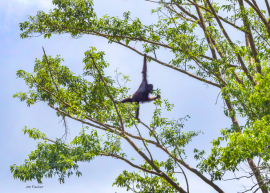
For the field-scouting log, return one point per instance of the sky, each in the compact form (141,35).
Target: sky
(190,97)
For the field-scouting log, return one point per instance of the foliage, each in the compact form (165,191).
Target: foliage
(90,103)
(197,35)
(147,183)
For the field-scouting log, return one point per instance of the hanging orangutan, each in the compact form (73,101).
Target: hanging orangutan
(141,95)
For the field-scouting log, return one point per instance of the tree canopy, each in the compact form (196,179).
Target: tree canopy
(197,33)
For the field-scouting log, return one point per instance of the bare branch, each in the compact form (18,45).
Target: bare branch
(238,178)
(251,188)
(159,2)
(150,131)
(144,143)
(184,176)
(142,140)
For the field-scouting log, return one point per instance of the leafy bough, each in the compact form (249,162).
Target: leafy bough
(95,105)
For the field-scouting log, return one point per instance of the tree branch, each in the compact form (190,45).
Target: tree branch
(107,128)
(122,134)
(256,8)
(268,7)
(139,39)
(258,175)
(187,12)
(163,175)
(224,20)
(170,66)
(181,15)
(118,157)
(231,43)
(206,34)
(153,133)
(184,176)
(130,163)
(250,38)
(120,118)
(193,170)
(50,69)
(212,42)
(142,140)
(251,163)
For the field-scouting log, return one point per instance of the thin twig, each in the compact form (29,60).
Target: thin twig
(217,97)
(184,176)
(50,70)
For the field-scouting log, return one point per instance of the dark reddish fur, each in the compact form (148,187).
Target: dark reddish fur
(142,94)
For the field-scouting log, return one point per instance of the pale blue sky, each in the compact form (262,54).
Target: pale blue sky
(190,97)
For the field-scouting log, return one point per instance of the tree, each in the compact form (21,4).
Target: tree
(197,34)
